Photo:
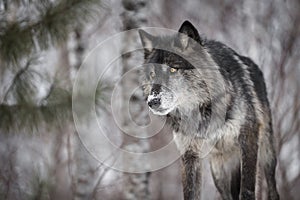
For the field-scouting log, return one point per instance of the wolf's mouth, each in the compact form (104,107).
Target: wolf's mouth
(162,104)
(161,111)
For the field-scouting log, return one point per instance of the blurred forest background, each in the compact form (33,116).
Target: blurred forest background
(43,44)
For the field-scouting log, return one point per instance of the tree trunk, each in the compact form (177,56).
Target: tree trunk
(136,186)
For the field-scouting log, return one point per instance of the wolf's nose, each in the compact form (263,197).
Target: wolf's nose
(154,103)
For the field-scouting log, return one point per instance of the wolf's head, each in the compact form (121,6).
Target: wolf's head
(173,70)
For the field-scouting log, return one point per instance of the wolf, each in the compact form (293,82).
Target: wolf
(209,93)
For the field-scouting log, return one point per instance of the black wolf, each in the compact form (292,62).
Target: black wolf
(209,93)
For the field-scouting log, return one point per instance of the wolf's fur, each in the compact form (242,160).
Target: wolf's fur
(208,78)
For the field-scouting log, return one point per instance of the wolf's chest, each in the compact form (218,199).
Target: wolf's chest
(223,140)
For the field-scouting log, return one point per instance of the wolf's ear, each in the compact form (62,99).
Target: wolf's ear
(188,31)
(147,41)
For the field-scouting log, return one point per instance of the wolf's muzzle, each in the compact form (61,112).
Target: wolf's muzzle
(154,103)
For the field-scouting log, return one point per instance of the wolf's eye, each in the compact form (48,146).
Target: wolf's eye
(173,70)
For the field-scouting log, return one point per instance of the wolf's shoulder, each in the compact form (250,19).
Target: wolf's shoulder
(229,60)
(237,68)
(224,55)
(220,52)
(217,46)
(226,59)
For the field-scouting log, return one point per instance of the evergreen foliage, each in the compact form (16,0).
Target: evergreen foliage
(27,28)
(30,26)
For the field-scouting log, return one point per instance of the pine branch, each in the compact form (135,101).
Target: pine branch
(24,84)
(30,117)
(54,110)
(50,26)
(15,79)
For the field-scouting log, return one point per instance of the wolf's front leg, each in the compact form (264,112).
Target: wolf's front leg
(191,175)
(248,140)
(226,181)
